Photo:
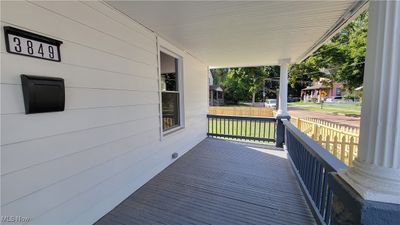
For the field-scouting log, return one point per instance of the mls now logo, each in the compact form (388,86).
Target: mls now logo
(15,219)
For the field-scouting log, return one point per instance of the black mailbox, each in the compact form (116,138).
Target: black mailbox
(43,94)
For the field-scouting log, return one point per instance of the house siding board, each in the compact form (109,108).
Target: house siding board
(81,98)
(74,166)
(70,143)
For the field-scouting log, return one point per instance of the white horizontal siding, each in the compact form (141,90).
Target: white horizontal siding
(79,23)
(76,165)
(71,142)
(80,98)
(156,161)
(63,168)
(49,124)
(63,191)
(97,59)
(74,76)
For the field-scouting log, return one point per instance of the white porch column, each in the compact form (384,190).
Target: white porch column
(375,174)
(283,88)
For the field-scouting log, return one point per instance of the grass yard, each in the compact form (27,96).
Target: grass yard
(347,109)
(242,129)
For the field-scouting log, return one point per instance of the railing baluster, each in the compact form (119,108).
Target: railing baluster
(328,207)
(324,194)
(313,164)
(233,127)
(265,126)
(318,185)
(222,128)
(269,130)
(219,125)
(254,129)
(229,127)
(249,131)
(209,121)
(245,128)
(240,128)
(304,156)
(212,125)
(309,172)
(312,182)
(225,126)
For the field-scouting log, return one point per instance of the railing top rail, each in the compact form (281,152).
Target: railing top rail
(242,117)
(330,162)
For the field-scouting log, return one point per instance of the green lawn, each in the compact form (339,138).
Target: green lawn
(348,109)
(253,129)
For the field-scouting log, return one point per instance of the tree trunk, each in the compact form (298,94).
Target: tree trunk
(253,100)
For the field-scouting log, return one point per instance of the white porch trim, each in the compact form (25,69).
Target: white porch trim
(375,174)
(283,87)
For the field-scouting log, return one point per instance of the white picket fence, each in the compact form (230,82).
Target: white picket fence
(340,140)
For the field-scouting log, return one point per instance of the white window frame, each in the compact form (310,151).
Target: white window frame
(180,92)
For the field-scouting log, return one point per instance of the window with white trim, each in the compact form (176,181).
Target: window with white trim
(170,91)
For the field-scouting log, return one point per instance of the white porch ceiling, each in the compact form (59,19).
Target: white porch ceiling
(229,34)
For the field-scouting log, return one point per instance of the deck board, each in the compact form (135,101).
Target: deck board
(218,182)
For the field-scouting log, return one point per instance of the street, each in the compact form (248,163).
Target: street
(297,111)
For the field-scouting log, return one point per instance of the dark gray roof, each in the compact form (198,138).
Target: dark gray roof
(216,88)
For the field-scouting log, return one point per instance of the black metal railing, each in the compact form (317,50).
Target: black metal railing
(312,165)
(262,129)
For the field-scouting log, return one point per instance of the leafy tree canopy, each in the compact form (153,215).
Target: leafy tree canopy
(342,57)
(242,84)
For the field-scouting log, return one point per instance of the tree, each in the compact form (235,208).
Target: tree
(352,70)
(219,75)
(235,87)
(243,84)
(272,82)
(344,55)
(247,78)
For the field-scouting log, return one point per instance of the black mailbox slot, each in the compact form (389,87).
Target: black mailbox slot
(43,94)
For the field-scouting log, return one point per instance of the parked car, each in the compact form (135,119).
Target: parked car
(270,103)
(339,99)
(333,99)
(293,99)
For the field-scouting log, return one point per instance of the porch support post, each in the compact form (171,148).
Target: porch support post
(283,87)
(373,182)
(282,104)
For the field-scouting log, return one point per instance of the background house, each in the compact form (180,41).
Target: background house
(320,90)
(215,92)
(216,95)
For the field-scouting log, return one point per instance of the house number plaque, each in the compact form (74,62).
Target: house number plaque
(29,44)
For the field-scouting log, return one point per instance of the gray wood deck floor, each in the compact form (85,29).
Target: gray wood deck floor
(218,182)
